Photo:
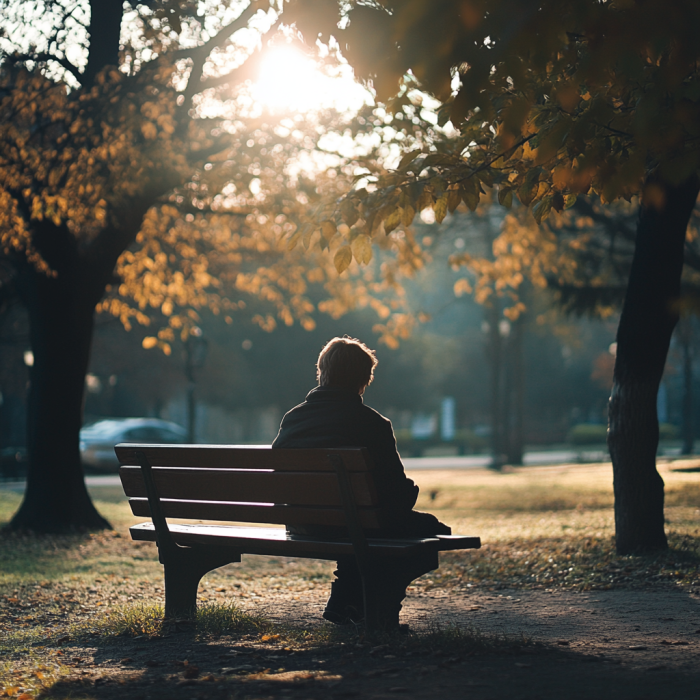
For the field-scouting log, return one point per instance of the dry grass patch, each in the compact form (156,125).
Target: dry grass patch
(547,527)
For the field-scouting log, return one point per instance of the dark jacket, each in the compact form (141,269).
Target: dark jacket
(333,417)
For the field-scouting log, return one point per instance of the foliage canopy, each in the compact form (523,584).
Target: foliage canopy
(547,100)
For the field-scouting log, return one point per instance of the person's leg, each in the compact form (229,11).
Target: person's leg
(346,602)
(391,577)
(394,576)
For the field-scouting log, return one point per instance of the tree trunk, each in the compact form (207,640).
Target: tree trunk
(517,392)
(686,337)
(104,30)
(61,313)
(495,358)
(649,314)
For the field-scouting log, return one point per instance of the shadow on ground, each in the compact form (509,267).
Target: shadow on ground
(181,667)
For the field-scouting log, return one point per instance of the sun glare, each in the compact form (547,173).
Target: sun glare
(290,82)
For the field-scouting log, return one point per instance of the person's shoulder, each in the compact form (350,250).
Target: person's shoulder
(372,415)
(299,407)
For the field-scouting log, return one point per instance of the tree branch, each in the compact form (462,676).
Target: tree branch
(238,75)
(220,144)
(43,57)
(200,54)
(219,39)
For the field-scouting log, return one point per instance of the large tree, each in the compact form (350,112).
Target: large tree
(548,100)
(132,182)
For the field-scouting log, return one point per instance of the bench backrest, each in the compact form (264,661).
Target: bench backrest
(250,484)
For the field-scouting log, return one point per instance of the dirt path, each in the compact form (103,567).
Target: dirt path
(646,628)
(616,645)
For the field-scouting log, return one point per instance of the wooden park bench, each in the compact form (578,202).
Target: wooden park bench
(332,487)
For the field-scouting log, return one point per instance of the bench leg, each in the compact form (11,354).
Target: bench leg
(182,576)
(181,582)
(371,600)
(382,604)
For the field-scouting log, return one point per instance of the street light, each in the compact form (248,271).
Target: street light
(196,347)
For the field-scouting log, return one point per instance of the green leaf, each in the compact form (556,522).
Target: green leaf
(342,258)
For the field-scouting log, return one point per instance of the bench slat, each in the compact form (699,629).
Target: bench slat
(275,541)
(356,459)
(370,518)
(291,488)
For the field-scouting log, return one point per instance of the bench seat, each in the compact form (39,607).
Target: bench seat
(276,541)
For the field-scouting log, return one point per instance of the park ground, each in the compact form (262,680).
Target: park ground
(544,610)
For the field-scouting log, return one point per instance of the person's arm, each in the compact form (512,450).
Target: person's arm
(396,490)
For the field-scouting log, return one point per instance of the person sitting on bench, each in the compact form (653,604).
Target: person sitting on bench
(334,415)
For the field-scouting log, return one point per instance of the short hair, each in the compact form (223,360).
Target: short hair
(346,363)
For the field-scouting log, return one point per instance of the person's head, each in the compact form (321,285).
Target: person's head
(346,363)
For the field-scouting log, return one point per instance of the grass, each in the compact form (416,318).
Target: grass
(34,679)
(553,527)
(147,619)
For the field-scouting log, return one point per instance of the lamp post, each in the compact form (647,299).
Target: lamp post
(196,347)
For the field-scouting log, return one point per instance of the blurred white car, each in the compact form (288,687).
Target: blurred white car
(97,440)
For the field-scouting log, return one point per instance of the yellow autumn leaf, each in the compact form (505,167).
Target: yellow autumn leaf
(349,212)
(362,249)
(342,258)
(149,342)
(462,287)
(328,229)
(149,131)
(454,197)
(393,220)
(440,208)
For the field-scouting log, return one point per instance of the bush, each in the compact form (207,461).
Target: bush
(588,434)
(465,440)
(593,434)
(667,431)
